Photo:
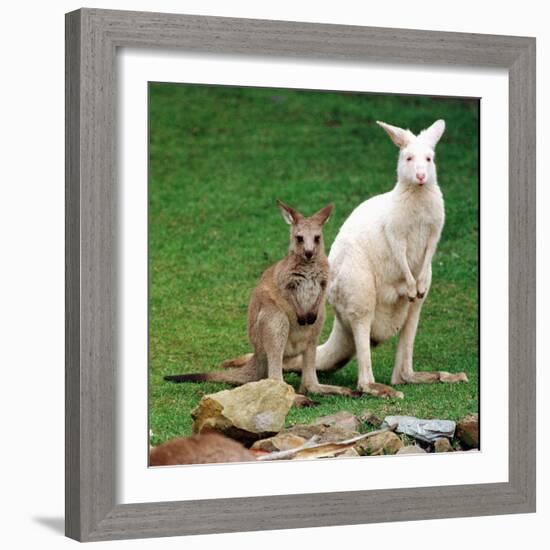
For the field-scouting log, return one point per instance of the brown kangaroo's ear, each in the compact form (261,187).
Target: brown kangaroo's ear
(289,214)
(323,215)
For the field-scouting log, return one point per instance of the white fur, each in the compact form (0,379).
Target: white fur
(381,261)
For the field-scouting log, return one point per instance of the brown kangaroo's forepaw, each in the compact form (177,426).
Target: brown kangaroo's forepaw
(381,390)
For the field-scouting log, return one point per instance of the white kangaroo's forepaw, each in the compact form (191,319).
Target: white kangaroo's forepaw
(421,289)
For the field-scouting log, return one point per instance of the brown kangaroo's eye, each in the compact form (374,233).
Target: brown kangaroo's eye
(299,238)
(317,239)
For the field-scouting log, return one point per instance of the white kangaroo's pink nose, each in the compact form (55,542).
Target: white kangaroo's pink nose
(421,176)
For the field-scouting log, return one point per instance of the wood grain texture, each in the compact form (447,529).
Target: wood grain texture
(72,276)
(92,37)
(522,273)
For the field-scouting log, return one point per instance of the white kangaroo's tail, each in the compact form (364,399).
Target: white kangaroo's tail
(337,351)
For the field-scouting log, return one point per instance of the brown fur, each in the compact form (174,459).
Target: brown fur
(199,449)
(286,312)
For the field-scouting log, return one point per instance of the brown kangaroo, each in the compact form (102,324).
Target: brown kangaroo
(286,312)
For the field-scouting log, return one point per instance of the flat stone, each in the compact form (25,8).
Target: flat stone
(247,413)
(280,442)
(322,433)
(427,430)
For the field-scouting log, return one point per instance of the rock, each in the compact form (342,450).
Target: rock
(370,418)
(443,445)
(250,412)
(348,453)
(421,429)
(199,449)
(343,419)
(385,443)
(322,433)
(411,450)
(280,442)
(467,431)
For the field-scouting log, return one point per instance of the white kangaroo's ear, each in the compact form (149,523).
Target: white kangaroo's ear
(289,214)
(400,137)
(433,134)
(323,215)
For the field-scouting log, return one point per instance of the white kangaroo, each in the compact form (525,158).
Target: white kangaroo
(381,267)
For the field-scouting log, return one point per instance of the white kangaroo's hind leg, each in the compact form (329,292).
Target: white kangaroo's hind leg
(403,372)
(365,376)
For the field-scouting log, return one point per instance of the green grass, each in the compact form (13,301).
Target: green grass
(219,157)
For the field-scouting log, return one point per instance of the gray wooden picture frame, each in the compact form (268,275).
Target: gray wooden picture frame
(92,39)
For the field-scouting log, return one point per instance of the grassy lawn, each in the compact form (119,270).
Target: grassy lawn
(219,157)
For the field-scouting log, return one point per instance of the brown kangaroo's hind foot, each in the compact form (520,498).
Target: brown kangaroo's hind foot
(326,389)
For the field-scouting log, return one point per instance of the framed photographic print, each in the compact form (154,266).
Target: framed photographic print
(279,217)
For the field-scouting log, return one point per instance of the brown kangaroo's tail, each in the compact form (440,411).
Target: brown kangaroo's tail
(245,372)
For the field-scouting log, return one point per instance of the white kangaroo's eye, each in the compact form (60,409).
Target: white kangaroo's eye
(429,159)
(409,159)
